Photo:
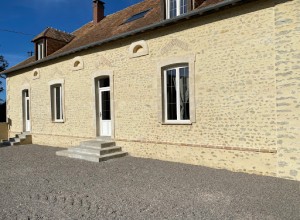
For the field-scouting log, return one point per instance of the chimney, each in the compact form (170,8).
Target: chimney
(98,10)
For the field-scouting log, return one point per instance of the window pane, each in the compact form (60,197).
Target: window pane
(40,51)
(171,95)
(184,93)
(173,8)
(137,16)
(183,6)
(104,82)
(27,106)
(58,102)
(105,104)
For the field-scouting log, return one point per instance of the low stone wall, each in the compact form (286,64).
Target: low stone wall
(4,133)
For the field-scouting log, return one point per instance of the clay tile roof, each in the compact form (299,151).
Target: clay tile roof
(113,24)
(108,28)
(55,34)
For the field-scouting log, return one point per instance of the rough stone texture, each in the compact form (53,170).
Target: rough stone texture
(251,162)
(237,91)
(4,133)
(51,187)
(287,64)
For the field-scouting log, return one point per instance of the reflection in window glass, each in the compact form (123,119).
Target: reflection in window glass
(176,94)
(57,105)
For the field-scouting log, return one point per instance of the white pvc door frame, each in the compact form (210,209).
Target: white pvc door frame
(27,115)
(105,124)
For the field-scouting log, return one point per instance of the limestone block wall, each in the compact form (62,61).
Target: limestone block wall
(234,88)
(261,163)
(287,70)
(78,105)
(235,94)
(239,67)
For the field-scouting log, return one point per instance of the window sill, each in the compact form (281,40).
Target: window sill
(58,121)
(177,123)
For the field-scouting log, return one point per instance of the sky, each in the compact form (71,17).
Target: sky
(21,20)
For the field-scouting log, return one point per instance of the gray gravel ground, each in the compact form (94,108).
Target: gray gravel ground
(36,184)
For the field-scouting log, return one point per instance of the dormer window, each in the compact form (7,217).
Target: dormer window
(49,41)
(176,7)
(40,50)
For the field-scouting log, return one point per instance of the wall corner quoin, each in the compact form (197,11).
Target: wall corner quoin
(287,62)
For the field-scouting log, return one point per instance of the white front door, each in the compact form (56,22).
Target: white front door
(27,110)
(104,111)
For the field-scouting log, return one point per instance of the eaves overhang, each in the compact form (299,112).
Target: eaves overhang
(192,14)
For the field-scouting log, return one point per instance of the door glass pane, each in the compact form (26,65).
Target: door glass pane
(104,82)
(105,104)
(171,95)
(173,8)
(27,109)
(183,6)
(184,93)
(58,102)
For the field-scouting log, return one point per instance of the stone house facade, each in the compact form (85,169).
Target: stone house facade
(216,84)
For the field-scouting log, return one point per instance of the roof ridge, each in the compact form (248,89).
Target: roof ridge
(46,31)
(59,30)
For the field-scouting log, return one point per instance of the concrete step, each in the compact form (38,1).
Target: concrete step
(14,140)
(112,156)
(89,157)
(97,144)
(21,136)
(95,151)
(110,150)
(26,132)
(84,150)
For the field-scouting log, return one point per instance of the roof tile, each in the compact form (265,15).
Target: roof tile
(108,27)
(54,34)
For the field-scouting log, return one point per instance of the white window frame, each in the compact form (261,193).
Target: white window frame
(162,64)
(53,102)
(165,104)
(178,4)
(40,50)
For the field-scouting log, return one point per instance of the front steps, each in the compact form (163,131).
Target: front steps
(19,139)
(95,151)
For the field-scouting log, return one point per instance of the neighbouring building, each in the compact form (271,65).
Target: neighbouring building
(206,82)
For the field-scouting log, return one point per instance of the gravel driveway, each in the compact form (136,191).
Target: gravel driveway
(36,184)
